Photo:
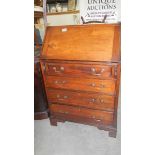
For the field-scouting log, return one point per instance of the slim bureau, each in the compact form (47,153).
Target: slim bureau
(81,71)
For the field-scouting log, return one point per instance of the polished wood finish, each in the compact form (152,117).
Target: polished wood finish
(94,85)
(83,112)
(99,71)
(40,100)
(100,124)
(91,42)
(83,99)
(81,71)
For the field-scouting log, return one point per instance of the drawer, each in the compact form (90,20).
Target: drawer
(82,112)
(78,70)
(88,100)
(94,85)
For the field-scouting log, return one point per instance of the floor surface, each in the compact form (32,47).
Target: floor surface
(74,139)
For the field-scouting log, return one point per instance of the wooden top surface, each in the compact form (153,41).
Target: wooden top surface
(95,42)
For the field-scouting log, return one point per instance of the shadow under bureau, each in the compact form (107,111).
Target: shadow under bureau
(81,71)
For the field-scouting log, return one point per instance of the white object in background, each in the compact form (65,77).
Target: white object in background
(58,7)
(38,8)
(63,19)
(64,30)
(53,9)
(48,8)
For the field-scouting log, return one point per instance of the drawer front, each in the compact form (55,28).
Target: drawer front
(87,113)
(89,100)
(94,85)
(78,70)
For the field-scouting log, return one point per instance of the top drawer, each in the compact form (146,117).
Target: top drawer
(80,70)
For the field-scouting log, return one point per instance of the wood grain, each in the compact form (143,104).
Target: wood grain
(80,70)
(93,85)
(83,99)
(73,42)
(94,114)
(63,12)
(40,100)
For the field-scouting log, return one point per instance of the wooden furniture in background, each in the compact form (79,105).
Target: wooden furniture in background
(81,71)
(40,100)
(56,1)
(64,12)
(38,2)
(71,7)
(38,14)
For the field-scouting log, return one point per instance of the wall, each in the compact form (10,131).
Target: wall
(119,9)
(69,19)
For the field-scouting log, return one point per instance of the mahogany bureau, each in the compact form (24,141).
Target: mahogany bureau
(81,71)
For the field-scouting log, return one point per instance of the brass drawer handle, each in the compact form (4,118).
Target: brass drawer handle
(61,69)
(59,82)
(64,97)
(101,101)
(93,71)
(94,85)
(93,100)
(63,112)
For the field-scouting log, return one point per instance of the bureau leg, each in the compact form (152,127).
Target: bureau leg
(112,133)
(101,128)
(53,122)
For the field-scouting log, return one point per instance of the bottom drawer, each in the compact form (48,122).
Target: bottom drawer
(88,113)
